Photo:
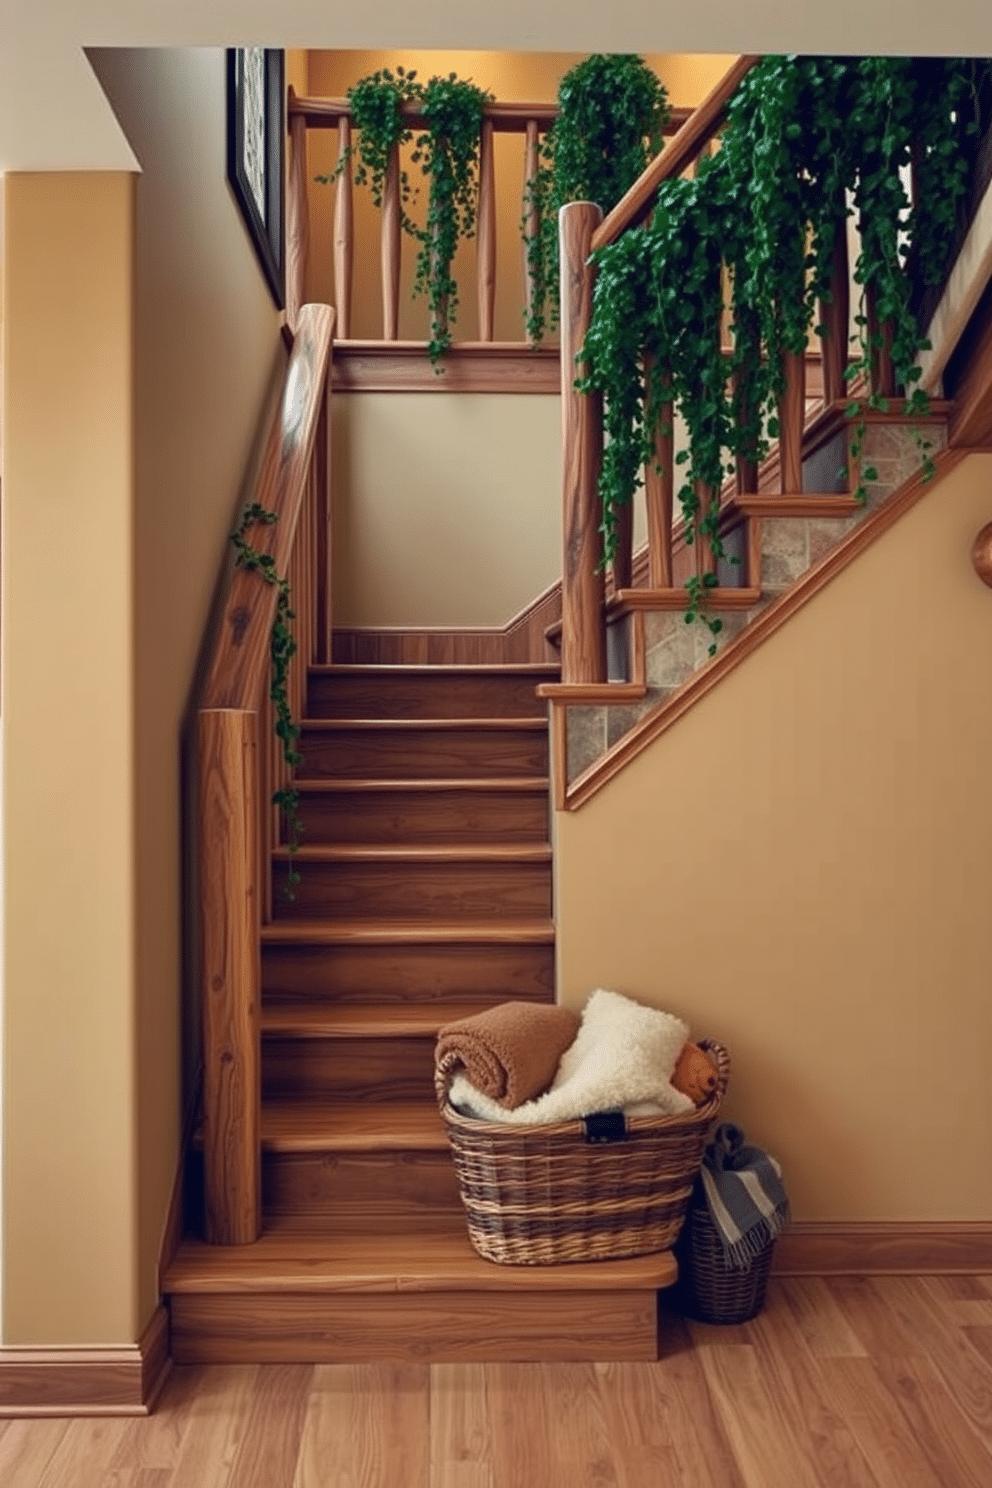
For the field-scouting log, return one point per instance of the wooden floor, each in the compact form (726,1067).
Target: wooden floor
(840,1383)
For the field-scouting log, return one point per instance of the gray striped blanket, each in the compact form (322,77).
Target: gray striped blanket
(742,1187)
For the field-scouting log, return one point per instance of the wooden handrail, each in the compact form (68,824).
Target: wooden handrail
(506,118)
(238,769)
(680,152)
(241,653)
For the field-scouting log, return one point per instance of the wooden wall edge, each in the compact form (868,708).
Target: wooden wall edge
(775,615)
(884,1248)
(87,1381)
(403,367)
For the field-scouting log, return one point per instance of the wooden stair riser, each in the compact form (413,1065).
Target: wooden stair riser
(410,1190)
(405,693)
(374,815)
(436,1327)
(348,1069)
(409,973)
(416,892)
(415,754)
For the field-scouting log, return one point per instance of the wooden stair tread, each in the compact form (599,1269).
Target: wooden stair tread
(290,1258)
(374,932)
(528,784)
(677,599)
(361,1020)
(531,721)
(426,853)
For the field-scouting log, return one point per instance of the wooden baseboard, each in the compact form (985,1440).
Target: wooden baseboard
(87,1381)
(885,1248)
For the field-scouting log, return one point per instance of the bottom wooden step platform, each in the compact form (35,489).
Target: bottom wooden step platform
(302,1295)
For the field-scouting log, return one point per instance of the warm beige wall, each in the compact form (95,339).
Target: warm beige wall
(206,349)
(447,506)
(69,1097)
(531,76)
(801,868)
(113,541)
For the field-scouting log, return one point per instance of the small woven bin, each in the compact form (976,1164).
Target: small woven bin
(710,1290)
(545,1195)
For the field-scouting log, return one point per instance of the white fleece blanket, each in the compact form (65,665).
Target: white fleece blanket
(622,1059)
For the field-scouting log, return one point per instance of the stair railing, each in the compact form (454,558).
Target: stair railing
(528,120)
(240,767)
(583,230)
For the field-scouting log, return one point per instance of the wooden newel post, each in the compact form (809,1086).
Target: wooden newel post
(230,974)
(583,638)
(791,410)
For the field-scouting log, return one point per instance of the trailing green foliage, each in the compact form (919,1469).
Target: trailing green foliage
(282,649)
(448,155)
(804,137)
(611,113)
(448,152)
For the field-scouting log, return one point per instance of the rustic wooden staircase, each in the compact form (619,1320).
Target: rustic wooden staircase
(425,894)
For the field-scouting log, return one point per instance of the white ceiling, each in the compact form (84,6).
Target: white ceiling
(54,116)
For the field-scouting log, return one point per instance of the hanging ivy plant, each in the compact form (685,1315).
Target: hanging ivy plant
(282,649)
(448,154)
(612,111)
(803,135)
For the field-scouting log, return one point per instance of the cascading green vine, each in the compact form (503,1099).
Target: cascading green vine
(612,110)
(282,649)
(448,152)
(803,137)
(448,155)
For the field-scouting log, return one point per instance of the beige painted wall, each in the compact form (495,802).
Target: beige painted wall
(93,755)
(69,1097)
(823,820)
(447,506)
(510,76)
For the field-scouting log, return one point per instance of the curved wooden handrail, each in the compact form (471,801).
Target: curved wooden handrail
(680,152)
(241,651)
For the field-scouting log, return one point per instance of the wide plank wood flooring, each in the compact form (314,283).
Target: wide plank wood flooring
(847,1382)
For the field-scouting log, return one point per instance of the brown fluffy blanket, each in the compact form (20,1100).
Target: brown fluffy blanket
(510,1052)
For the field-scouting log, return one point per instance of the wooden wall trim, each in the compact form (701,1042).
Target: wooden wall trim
(654,724)
(87,1381)
(467,367)
(884,1248)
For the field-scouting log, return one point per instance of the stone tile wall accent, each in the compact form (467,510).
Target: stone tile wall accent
(790,546)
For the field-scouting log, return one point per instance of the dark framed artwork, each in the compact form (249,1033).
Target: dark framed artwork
(256,153)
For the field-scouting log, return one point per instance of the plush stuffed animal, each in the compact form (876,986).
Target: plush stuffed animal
(695,1074)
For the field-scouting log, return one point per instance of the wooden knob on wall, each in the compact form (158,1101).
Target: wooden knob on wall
(981,554)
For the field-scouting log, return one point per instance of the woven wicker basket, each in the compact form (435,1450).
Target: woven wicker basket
(708,1289)
(543,1195)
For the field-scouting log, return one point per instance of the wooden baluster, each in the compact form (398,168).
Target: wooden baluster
(705,561)
(297,218)
(390,248)
(835,320)
(531,220)
(322,461)
(622,562)
(344,235)
(230,975)
(746,328)
(583,642)
(486,233)
(659,489)
(883,377)
(791,417)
